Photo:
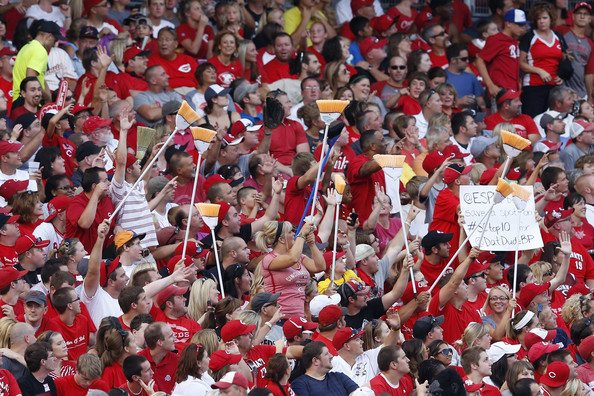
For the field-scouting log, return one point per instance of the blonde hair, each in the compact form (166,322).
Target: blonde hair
(433,136)
(266,238)
(477,170)
(372,330)
(473,332)
(539,269)
(199,297)
(6,325)
(506,126)
(140,269)
(257,281)
(442,120)
(573,309)
(502,289)
(572,387)
(208,338)
(116,48)
(250,317)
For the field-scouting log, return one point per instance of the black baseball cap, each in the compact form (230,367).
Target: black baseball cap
(90,32)
(86,149)
(434,238)
(50,27)
(425,324)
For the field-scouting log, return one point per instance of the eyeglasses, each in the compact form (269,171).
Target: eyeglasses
(481,275)
(441,34)
(75,300)
(311,88)
(446,351)
(499,299)
(464,58)
(67,188)
(549,273)
(398,67)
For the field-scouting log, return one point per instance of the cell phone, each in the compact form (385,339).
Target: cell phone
(352,219)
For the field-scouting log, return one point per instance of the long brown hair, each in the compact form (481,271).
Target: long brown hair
(188,362)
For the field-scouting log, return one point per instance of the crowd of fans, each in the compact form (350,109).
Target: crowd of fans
(97,300)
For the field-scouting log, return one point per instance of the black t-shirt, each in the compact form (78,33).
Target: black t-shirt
(373,310)
(31,386)
(32,277)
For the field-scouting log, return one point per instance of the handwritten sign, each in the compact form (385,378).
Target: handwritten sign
(508,228)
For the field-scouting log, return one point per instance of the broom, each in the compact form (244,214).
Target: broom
(202,138)
(145,137)
(503,190)
(512,145)
(210,216)
(520,197)
(339,186)
(186,116)
(330,110)
(392,166)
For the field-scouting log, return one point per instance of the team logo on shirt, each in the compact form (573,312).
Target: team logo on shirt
(225,79)
(185,68)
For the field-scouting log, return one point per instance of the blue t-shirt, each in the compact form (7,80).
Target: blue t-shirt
(465,83)
(334,384)
(356,52)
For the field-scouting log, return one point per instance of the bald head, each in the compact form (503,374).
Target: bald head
(584,185)
(231,244)
(22,334)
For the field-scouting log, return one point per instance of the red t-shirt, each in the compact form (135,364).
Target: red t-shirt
(438,60)
(183,193)
(432,271)
(186,32)
(257,358)
(184,328)
(295,200)
(542,55)
(525,126)
(285,139)
(328,342)
(381,386)
(445,218)
(180,70)
(276,70)
(581,264)
(67,386)
(52,313)
(456,320)
(8,384)
(126,82)
(113,375)
(6,87)
(89,79)
(501,54)
(363,187)
(8,256)
(226,74)
(404,23)
(164,371)
(18,308)
(76,336)
(584,234)
(88,236)
(67,151)
(408,105)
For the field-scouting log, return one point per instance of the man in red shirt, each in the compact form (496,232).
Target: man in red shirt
(160,352)
(278,68)
(132,81)
(172,303)
(9,233)
(498,62)
(300,186)
(88,376)
(12,285)
(477,366)
(89,209)
(436,246)
(139,375)
(509,109)
(6,64)
(392,379)
(438,39)
(179,67)
(74,327)
(363,173)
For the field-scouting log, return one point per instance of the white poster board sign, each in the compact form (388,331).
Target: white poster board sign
(508,228)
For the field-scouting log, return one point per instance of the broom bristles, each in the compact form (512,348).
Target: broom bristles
(187,113)
(332,106)
(203,134)
(520,192)
(390,161)
(339,184)
(516,141)
(208,209)
(145,137)
(504,188)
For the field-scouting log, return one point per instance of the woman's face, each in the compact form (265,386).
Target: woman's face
(64,188)
(59,346)
(416,87)
(343,74)
(498,301)
(79,252)
(587,110)
(445,354)
(214,295)
(425,63)
(276,16)
(404,47)
(132,348)
(235,314)
(58,167)
(317,33)
(251,54)
(434,103)
(203,363)
(579,209)
(447,98)
(38,208)
(245,282)
(195,11)
(228,46)
(326,93)
(526,374)
(484,341)
(543,22)
(361,89)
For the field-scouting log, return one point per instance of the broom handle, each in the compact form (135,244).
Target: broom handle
(319,173)
(336,215)
(192,200)
(405,235)
(506,166)
(516,252)
(460,248)
(142,175)
(216,252)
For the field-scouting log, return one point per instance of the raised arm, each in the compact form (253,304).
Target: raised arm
(122,150)
(294,254)
(561,274)
(91,281)
(397,291)
(447,292)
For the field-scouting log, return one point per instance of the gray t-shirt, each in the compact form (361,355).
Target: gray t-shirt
(580,49)
(430,202)
(151,98)
(570,154)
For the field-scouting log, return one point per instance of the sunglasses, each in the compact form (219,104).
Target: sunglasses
(398,67)
(441,34)
(464,58)
(446,351)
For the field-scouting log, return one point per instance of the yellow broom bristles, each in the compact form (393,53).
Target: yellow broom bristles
(520,192)
(389,161)
(187,113)
(208,210)
(504,188)
(332,106)
(339,184)
(516,141)
(145,136)
(203,134)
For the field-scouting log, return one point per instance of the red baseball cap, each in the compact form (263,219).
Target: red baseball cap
(234,329)
(453,151)
(56,206)
(382,23)
(476,267)
(509,94)
(370,43)
(12,186)
(356,5)
(223,210)
(7,51)
(242,125)
(529,292)
(230,379)
(583,4)
(193,249)
(586,347)
(78,108)
(212,180)
(295,325)
(175,259)
(554,216)
(27,242)
(10,274)
(9,147)
(130,160)
(454,171)
(556,375)
(107,270)
(220,359)
(168,292)
(433,160)
(133,52)
(328,258)
(537,335)
(95,122)
(344,335)
(539,349)
(330,314)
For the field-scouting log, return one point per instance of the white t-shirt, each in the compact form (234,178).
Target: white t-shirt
(468,158)
(55,15)
(293,116)
(194,386)
(59,66)
(101,305)
(161,219)
(163,23)
(590,213)
(422,124)
(47,231)
(361,372)
(344,12)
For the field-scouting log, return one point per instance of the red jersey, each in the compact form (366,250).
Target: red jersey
(276,390)
(76,336)
(456,319)
(183,193)
(6,87)
(295,200)
(89,80)
(328,342)
(226,74)
(432,271)
(584,234)
(581,264)
(404,23)
(363,187)
(257,359)
(501,54)
(88,236)
(541,54)
(381,386)
(438,60)
(52,313)
(67,386)
(445,218)
(8,384)
(276,70)
(113,375)
(285,139)
(524,124)
(18,308)
(126,82)
(186,32)
(183,327)
(408,105)
(8,256)
(164,371)
(180,69)
(67,151)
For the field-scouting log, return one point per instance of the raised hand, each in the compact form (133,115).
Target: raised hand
(103,229)
(277,185)
(565,241)
(330,196)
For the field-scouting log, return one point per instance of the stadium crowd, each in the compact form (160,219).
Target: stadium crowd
(99,293)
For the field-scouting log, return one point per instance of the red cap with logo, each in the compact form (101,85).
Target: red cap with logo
(175,259)
(168,292)
(344,335)
(295,325)
(220,359)
(555,216)
(12,186)
(27,242)
(56,206)
(556,375)
(433,160)
(95,122)
(9,147)
(234,329)
(214,179)
(382,23)
(530,291)
(370,43)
